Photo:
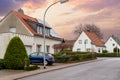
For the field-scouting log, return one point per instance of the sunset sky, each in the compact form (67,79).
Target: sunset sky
(65,17)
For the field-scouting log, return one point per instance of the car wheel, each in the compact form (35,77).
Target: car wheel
(50,64)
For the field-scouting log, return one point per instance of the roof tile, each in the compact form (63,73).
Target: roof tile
(95,39)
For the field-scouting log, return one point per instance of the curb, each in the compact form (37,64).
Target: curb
(36,72)
(62,67)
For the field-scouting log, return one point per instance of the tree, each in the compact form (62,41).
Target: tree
(15,54)
(90,28)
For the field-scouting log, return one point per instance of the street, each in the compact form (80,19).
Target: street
(106,69)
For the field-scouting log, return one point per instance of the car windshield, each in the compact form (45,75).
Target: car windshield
(49,55)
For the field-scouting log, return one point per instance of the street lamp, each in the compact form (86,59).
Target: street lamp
(61,1)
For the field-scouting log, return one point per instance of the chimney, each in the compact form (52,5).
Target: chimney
(21,11)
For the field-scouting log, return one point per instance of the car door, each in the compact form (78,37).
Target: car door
(40,57)
(33,57)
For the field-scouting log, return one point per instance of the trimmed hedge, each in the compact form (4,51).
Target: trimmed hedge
(107,55)
(2,65)
(73,57)
(16,54)
(30,68)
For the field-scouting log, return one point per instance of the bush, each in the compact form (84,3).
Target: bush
(73,57)
(60,58)
(30,68)
(104,51)
(2,66)
(107,55)
(116,50)
(15,54)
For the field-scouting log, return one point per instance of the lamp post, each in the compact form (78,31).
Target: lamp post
(61,1)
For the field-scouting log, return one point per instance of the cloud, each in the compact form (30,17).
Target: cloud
(8,5)
(93,5)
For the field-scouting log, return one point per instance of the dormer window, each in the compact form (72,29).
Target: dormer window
(47,30)
(12,29)
(39,30)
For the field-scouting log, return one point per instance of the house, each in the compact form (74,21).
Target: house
(30,31)
(65,45)
(88,42)
(111,43)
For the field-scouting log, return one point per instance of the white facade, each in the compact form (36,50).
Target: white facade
(84,44)
(31,43)
(111,44)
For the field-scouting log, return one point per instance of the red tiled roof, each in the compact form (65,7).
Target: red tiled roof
(23,18)
(66,44)
(95,39)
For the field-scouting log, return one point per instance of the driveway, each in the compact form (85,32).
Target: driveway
(107,69)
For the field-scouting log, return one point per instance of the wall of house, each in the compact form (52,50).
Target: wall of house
(29,42)
(11,20)
(4,40)
(48,42)
(83,44)
(99,49)
(111,44)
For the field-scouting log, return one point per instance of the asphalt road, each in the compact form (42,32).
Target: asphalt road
(107,69)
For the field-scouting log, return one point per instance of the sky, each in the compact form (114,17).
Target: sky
(64,18)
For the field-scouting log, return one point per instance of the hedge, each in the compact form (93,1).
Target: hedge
(107,55)
(29,68)
(73,57)
(2,65)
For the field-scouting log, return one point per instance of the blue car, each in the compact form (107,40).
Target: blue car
(38,57)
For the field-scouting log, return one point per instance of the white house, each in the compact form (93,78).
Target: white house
(88,42)
(112,43)
(29,29)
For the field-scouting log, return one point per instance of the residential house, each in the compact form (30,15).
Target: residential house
(65,45)
(111,43)
(88,42)
(30,31)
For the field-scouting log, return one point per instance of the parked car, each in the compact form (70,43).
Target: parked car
(38,57)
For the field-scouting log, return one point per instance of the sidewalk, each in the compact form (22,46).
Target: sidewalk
(56,66)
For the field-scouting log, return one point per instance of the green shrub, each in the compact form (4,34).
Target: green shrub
(29,68)
(15,54)
(107,55)
(73,57)
(115,50)
(2,66)
(60,58)
(104,51)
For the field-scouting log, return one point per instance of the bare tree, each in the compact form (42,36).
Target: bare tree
(90,28)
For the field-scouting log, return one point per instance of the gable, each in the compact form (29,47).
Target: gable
(82,38)
(11,20)
(111,42)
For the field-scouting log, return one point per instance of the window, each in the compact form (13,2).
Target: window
(48,48)
(113,44)
(28,49)
(47,32)
(80,41)
(99,50)
(78,49)
(86,41)
(34,54)
(12,29)
(38,48)
(39,30)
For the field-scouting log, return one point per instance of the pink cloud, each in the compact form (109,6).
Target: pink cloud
(95,5)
